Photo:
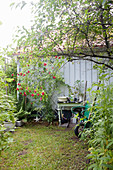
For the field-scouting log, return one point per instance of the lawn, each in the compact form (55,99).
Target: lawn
(44,148)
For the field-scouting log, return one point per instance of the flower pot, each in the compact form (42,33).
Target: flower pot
(19,123)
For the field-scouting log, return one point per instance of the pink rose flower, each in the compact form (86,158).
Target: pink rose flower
(19,84)
(45,64)
(29,91)
(23,74)
(34,91)
(28,71)
(55,56)
(38,94)
(32,95)
(12,74)
(21,88)
(54,77)
(59,57)
(40,98)
(42,93)
(17,88)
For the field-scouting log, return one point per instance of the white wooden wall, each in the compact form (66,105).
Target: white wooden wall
(80,70)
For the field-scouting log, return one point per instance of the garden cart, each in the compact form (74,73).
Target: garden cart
(83,115)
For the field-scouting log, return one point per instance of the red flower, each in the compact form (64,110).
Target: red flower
(23,74)
(55,56)
(29,91)
(26,88)
(45,64)
(31,103)
(42,93)
(17,88)
(54,77)
(18,74)
(34,91)
(19,84)
(59,57)
(20,93)
(25,94)
(38,94)
(12,74)
(28,65)
(49,72)
(40,98)
(28,71)
(32,95)
(14,80)
(21,88)
(41,87)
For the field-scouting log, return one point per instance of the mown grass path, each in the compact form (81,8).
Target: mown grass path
(44,148)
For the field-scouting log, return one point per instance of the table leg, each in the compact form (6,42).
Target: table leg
(59,115)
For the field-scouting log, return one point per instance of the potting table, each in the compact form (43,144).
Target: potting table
(66,106)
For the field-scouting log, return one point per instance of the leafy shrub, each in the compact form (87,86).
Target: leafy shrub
(101,132)
(7,107)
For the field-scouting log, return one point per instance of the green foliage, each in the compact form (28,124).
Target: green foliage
(75,30)
(11,73)
(38,83)
(7,108)
(101,132)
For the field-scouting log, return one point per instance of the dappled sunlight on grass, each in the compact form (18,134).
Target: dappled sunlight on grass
(40,147)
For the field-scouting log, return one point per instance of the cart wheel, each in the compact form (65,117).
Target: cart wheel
(78,130)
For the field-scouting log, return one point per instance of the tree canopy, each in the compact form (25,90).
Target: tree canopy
(73,29)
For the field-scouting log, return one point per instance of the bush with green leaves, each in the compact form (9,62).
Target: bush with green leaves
(7,107)
(101,132)
(38,82)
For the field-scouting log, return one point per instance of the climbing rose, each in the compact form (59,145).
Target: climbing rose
(31,103)
(59,57)
(32,95)
(29,91)
(34,91)
(14,80)
(54,77)
(55,56)
(45,64)
(19,84)
(40,98)
(17,88)
(38,94)
(28,71)
(18,74)
(25,94)
(20,93)
(23,74)
(49,72)
(21,88)
(42,93)
(12,74)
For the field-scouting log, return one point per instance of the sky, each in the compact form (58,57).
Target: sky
(11,18)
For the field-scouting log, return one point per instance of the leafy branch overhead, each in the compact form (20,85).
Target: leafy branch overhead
(73,29)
